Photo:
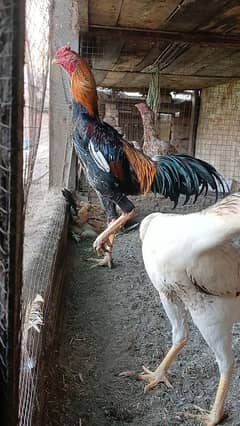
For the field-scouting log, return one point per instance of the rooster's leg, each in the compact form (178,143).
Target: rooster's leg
(177,315)
(107,259)
(103,243)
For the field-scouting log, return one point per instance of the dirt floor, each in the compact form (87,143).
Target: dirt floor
(113,321)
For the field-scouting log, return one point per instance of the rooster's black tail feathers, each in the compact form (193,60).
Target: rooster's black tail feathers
(183,174)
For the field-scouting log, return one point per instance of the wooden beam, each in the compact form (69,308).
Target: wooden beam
(194,122)
(83,16)
(80,16)
(202,38)
(196,76)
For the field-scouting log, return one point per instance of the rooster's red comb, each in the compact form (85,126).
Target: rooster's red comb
(63,50)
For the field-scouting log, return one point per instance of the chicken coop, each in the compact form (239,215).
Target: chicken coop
(168,80)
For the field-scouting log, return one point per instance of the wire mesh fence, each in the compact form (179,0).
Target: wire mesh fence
(35,129)
(38,295)
(11,201)
(218,136)
(35,80)
(5,126)
(217,142)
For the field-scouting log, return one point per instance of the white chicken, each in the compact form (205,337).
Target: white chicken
(193,261)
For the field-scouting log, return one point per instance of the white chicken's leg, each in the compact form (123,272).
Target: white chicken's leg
(216,330)
(177,315)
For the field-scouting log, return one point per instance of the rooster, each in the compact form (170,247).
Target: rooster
(114,167)
(152,144)
(193,261)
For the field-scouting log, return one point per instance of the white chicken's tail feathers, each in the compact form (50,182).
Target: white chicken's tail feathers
(196,232)
(145,223)
(229,206)
(222,222)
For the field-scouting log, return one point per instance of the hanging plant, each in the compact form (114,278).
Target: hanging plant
(153,96)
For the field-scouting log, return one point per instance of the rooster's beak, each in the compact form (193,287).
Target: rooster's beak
(54,61)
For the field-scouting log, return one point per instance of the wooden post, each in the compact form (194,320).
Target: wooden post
(63,31)
(194,122)
(11,182)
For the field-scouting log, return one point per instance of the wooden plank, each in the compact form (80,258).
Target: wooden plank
(191,60)
(132,54)
(197,15)
(146,14)
(140,80)
(79,13)
(174,75)
(60,116)
(212,61)
(226,20)
(151,56)
(83,16)
(194,122)
(138,34)
(105,12)
(112,48)
(132,80)
(197,105)
(222,64)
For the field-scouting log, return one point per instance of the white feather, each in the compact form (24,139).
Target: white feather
(99,158)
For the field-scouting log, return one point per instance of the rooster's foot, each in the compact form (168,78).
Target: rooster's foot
(102,246)
(205,417)
(106,261)
(153,378)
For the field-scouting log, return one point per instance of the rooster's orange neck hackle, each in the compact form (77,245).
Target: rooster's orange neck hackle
(83,85)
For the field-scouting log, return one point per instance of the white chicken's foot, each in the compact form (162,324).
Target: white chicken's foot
(207,419)
(152,377)
(216,414)
(160,374)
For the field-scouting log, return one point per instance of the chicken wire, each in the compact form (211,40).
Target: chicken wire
(35,80)
(5,170)
(218,135)
(11,201)
(36,275)
(172,122)
(38,295)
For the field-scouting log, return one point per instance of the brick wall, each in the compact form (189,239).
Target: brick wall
(218,135)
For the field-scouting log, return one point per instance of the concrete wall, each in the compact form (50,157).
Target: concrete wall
(218,135)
